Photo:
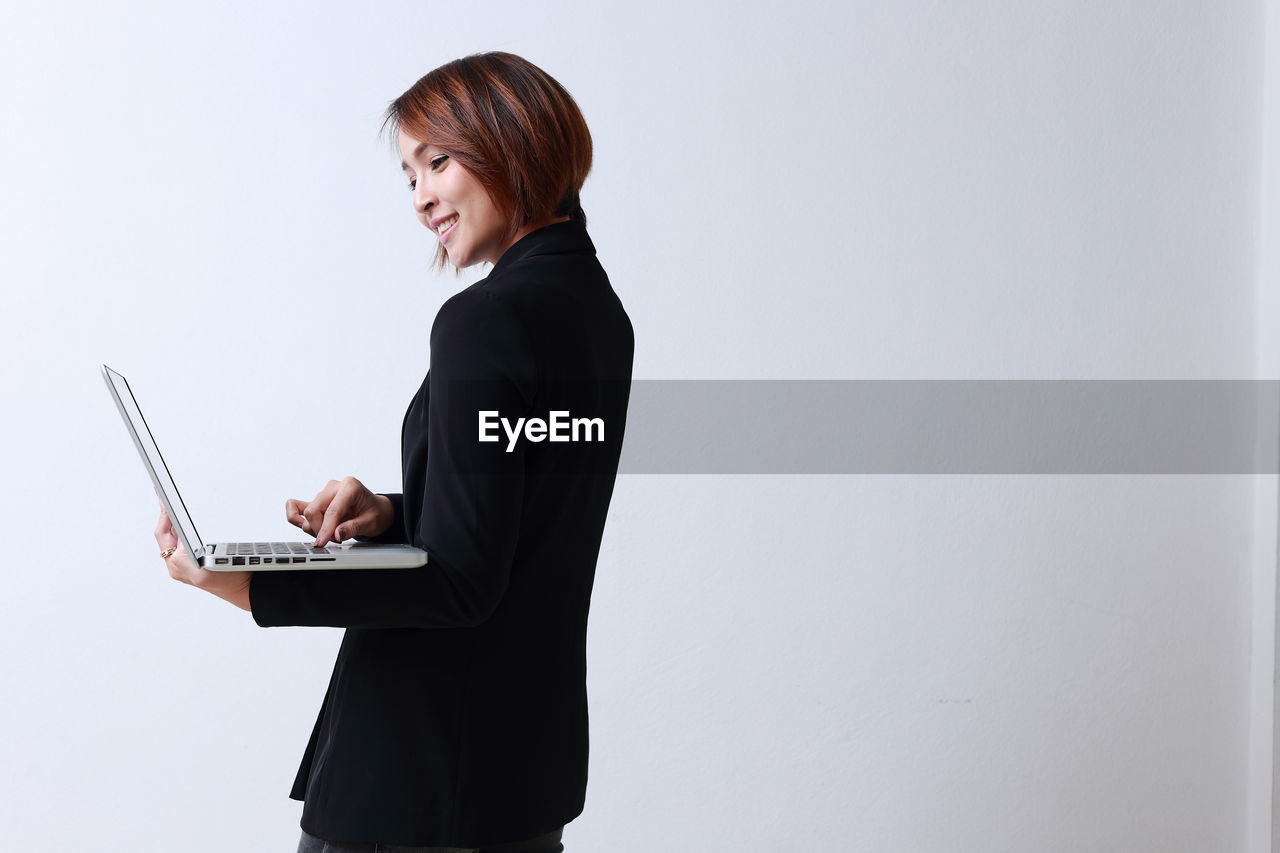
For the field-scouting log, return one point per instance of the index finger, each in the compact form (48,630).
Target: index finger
(314,512)
(333,516)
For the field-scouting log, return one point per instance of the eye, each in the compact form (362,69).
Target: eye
(438,162)
(413,184)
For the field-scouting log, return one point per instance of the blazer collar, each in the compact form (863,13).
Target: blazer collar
(556,238)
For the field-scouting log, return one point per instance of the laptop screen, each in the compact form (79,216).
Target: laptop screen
(151,457)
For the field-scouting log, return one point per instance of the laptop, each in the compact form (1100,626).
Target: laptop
(245,556)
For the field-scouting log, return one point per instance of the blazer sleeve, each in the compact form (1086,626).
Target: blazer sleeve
(470,503)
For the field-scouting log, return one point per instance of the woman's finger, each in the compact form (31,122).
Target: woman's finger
(293,513)
(351,527)
(335,514)
(164,533)
(314,511)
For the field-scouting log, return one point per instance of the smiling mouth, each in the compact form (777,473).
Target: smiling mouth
(447,227)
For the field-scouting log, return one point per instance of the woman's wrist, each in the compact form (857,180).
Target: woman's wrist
(386,513)
(229,586)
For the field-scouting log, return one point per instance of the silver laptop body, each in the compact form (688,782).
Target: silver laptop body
(245,556)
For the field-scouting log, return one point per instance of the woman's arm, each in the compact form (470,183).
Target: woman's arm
(467,506)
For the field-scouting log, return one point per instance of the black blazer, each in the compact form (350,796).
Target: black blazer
(457,710)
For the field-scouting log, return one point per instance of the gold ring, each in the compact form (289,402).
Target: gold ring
(168,552)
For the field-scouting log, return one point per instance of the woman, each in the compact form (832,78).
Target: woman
(456,716)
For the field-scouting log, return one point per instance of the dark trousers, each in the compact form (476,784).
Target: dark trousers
(549,843)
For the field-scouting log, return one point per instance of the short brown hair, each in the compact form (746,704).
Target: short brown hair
(511,125)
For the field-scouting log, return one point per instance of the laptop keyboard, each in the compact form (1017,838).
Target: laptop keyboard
(272,549)
(265,553)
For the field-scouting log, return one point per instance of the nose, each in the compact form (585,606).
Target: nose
(423,198)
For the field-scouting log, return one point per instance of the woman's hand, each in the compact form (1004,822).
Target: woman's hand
(231,586)
(344,508)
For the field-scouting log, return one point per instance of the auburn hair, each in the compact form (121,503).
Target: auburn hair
(510,124)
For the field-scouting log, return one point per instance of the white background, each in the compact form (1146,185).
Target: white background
(195,195)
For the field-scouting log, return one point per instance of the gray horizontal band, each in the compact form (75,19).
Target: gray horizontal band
(952,427)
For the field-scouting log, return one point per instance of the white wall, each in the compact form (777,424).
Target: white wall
(194,195)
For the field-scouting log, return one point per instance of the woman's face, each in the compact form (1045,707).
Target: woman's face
(451,202)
